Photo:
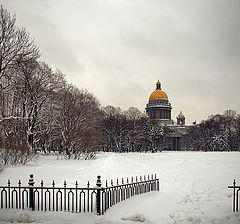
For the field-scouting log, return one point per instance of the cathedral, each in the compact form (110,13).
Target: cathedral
(158,110)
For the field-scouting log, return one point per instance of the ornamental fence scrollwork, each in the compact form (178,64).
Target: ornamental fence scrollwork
(75,199)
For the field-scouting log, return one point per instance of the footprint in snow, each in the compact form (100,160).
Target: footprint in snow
(135,218)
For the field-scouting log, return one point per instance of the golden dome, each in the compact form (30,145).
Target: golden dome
(158,94)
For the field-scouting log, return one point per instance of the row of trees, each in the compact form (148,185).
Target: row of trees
(38,108)
(127,131)
(217,133)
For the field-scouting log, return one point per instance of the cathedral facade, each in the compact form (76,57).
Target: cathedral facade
(158,110)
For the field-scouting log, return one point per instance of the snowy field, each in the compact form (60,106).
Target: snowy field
(193,187)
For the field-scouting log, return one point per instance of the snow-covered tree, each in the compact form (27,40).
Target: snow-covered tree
(218,132)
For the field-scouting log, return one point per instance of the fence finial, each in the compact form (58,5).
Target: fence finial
(31,180)
(99,183)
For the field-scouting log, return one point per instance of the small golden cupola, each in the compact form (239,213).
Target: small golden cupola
(180,114)
(144,114)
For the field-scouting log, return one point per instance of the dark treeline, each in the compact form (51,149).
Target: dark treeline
(217,133)
(127,131)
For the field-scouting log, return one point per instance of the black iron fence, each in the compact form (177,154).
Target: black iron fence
(75,199)
(236,190)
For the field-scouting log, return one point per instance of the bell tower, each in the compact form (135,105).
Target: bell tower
(181,119)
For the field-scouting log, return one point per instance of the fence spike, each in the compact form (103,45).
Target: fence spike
(122,181)
(127,180)
(19,183)
(144,177)
(112,182)
(65,183)
(148,176)
(41,183)
(117,181)
(234,182)
(53,183)
(155,176)
(76,184)
(88,184)
(152,176)
(136,179)
(9,182)
(132,180)
(106,184)
(141,178)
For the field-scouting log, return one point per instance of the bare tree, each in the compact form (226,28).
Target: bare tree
(133,113)
(16,46)
(76,118)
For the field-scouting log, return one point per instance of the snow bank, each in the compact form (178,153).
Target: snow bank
(193,187)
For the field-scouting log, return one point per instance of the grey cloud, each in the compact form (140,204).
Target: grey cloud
(117,49)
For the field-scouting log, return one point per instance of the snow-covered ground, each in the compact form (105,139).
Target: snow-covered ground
(193,187)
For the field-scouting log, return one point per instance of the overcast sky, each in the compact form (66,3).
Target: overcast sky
(117,49)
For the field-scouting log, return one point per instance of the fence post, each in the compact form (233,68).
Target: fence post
(31,196)
(234,184)
(98,199)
